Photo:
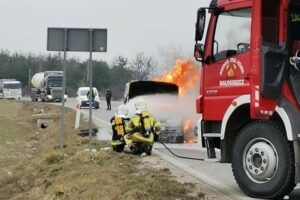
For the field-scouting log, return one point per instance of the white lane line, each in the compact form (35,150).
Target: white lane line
(96,118)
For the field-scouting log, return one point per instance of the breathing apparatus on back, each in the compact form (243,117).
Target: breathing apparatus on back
(141,110)
(119,123)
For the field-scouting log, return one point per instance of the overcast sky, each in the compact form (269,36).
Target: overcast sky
(133,25)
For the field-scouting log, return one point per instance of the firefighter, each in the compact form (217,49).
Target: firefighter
(143,129)
(118,123)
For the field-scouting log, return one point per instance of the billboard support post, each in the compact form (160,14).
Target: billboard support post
(62,140)
(91,87)
(82,40)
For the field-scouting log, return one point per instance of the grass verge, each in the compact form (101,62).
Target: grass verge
(32,167)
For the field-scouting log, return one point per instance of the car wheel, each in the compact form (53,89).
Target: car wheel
(263,161)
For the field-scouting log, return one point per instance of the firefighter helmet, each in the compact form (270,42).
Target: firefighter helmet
(122,110)
(140,104)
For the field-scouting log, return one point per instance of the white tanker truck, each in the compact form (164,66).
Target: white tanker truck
(48,87)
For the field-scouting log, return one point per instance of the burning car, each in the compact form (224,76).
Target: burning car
(161,98)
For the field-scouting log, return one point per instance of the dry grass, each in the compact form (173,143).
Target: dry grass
(32,167)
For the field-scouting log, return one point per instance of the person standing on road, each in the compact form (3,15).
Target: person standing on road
(93,95)
(108,96)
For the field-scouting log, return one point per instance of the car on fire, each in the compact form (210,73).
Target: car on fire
(161,98)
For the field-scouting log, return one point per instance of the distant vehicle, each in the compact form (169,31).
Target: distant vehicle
(161,98)
(47,86)
(10,89)
(83,100)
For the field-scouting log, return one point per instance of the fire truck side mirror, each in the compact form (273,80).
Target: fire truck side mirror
(199,52)
(200,24)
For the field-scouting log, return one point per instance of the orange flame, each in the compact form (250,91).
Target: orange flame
(184,74)
(187,128)
(187,124)
(191,141)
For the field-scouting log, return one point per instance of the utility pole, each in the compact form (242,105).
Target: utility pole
(29,81)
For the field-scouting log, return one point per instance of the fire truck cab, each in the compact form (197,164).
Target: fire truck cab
(250,91)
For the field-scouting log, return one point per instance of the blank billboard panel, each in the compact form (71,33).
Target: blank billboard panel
(77,39)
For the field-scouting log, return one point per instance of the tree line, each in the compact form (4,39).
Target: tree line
(114,76)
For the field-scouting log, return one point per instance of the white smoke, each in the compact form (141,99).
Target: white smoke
(170,109)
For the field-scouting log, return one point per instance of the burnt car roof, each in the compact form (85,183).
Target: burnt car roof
(138,88)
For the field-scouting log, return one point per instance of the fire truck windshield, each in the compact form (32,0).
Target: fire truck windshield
(232,35)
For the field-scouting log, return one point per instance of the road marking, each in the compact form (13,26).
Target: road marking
(97,118)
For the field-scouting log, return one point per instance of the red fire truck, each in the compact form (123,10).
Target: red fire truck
(250,91)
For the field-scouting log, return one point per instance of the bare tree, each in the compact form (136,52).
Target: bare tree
(120,75)
(141,66)
(120,61)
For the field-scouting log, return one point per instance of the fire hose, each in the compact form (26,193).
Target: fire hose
(184,157)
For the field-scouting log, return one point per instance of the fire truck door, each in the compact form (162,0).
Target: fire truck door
(226,77)
(268,58)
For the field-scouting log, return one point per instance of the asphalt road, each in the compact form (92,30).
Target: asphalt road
(213,173)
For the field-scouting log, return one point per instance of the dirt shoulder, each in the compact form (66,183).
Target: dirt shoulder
(33,167)
(195,186)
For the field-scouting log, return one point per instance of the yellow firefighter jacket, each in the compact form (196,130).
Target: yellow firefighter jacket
(143,123)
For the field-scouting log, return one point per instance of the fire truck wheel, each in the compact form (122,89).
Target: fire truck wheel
(263,161)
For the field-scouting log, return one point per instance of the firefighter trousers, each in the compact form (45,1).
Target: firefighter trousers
(138,137)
